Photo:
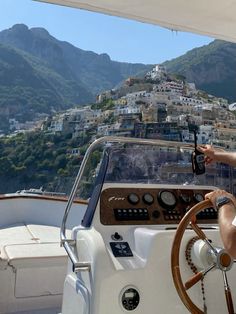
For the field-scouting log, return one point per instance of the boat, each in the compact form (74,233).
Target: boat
(143,240)
(39,191)
(135,250)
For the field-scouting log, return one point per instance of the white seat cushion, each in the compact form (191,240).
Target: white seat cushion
(21,241)
(35,253)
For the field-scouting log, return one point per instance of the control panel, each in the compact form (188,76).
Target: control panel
(130,299)
(127,206)
(131,214)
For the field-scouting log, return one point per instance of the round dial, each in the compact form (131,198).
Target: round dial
(167,199)
(198,197)
(148,198)
(133,198)
(185,198)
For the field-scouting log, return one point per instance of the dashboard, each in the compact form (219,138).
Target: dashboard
(152,206)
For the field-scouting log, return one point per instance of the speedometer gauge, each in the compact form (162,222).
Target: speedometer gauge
(167,199)
(198,197)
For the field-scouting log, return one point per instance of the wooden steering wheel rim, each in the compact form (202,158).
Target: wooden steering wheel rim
(175,268)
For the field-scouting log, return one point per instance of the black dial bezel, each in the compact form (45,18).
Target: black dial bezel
(163,203)
(146,201)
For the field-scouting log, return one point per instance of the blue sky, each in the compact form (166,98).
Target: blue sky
(123,40)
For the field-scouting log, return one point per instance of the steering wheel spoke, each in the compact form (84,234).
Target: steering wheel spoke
(197,277)
(201,234)
(228,295)
(197,230)
(193,280)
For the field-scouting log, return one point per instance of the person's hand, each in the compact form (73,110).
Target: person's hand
(209,152)
(212,196)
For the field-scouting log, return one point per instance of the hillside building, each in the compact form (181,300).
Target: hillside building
(156,73)
(158,130)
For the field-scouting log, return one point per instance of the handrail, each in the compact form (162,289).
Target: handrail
(69,244)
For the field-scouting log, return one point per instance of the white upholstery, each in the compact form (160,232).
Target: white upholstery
(30,241)
(35,254)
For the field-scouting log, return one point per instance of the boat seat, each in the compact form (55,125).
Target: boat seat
(34,254)
(29,240)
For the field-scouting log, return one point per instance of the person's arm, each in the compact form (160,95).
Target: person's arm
(227,229)
(226,216)
(217,155)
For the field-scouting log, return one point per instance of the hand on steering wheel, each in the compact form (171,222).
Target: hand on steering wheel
(222,260)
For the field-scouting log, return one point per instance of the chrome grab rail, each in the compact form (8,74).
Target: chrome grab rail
(69,244)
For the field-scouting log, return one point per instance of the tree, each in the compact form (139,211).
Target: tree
(6,166)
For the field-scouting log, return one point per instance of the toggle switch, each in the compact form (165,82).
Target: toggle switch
(116,237)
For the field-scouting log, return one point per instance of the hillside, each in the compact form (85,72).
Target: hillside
(36,159)
(211,67)
(39,73)
(28,87)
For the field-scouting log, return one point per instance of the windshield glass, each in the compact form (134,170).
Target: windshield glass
(162,165)
(156,164)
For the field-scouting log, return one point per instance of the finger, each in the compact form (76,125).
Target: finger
(201,149)
(212,194)
(208,195)
(208,160)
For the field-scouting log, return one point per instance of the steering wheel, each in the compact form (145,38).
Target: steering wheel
(222,260)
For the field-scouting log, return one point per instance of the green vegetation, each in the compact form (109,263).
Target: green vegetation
(211,68)
(28,87)
(37,159)
(107,104)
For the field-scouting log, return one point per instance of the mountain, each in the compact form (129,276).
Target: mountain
(28,86)
(211,67)
(40,74)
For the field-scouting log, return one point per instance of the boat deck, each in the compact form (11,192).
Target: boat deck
(33,265)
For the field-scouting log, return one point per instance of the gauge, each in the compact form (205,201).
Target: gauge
(148,198)
(198,197)
(185,198)
(133,198)
(167,199)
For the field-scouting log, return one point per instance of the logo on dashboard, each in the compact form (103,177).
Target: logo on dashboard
(114,198)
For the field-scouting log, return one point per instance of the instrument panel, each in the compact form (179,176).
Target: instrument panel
(139,206)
